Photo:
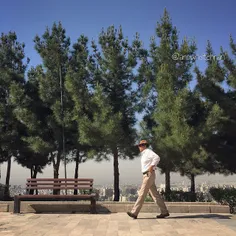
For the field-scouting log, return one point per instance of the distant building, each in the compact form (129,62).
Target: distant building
(123,198)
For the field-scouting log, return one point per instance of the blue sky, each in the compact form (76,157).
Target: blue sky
(203,20)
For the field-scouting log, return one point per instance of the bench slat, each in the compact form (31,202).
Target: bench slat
(57,196)
(88,188)
(60,179)
(60,184)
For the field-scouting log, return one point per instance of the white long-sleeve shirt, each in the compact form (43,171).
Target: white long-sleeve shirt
(148,158)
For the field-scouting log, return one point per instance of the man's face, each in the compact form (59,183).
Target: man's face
(141,147)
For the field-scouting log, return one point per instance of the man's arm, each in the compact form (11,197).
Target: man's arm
(155,161)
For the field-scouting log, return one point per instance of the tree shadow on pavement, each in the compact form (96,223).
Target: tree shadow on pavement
(197,216)
(204,216)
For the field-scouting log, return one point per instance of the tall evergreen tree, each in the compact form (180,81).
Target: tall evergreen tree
(222,144)
(164,72)
(77,82)
(36,143)
(12,69)
(112,128)
(193,123)
(53,47)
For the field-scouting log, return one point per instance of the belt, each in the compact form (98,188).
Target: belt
(144,173)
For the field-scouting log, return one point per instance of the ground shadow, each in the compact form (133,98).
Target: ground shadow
(67,209)
(204,216)
(72,213)
(198,216)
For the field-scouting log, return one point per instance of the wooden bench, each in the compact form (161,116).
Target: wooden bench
(86,185)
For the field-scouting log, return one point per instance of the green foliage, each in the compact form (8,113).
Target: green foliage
(193,118)
(180,122)
(225,196)
(53,47)
(104,128)
(148,198)
(165,81)
(114,100)
(77,81)
(30,112)
(221,144)
(12,69)
(114,74)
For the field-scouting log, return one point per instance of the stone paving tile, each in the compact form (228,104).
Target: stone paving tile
(115,224)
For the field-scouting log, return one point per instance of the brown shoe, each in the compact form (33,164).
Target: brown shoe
(132,215)
(162,215)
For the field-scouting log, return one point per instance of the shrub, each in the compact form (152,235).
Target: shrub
(181,196)
(225,196)
(148,198)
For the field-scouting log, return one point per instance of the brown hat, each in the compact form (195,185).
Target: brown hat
(143,142)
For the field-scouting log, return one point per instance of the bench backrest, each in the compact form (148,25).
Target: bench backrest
(60,184)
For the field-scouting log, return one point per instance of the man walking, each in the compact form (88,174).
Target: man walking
(149,160)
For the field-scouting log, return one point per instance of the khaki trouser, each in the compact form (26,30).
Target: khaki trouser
(149,185)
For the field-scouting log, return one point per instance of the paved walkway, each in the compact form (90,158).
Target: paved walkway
(116,224)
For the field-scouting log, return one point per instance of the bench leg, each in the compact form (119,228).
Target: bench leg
(93,209)
(16,205)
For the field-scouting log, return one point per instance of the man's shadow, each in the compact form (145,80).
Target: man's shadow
(198,216)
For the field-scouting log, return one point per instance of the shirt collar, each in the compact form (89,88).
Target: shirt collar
(143,150)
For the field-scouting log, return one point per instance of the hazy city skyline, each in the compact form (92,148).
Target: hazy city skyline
(130,173)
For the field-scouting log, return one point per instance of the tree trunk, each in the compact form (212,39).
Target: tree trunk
(167,183)
(6,195)
(33,172)
(56,165)
(31,192)
(77,161)
(193,194)
(192,183)
(116,176)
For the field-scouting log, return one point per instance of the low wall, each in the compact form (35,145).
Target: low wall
(111,207)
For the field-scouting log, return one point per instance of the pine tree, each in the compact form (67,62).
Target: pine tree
(12,69)
(112,128)
(35,142)
(226,156)
(194,121)
(164,72)
(53,47)
(221,145)
(77,82)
